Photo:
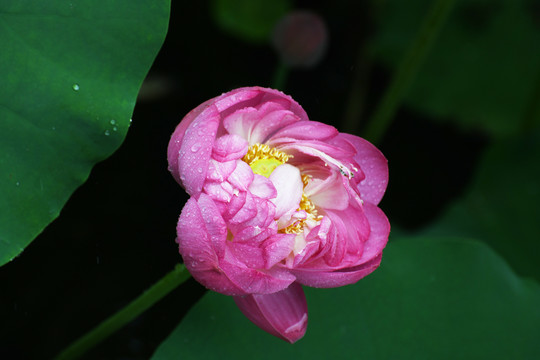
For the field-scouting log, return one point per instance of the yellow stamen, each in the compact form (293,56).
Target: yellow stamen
(263,151)
(306,205)
(263,159)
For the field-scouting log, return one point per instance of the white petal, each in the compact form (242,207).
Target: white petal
(288,183)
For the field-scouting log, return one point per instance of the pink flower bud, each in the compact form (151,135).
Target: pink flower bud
(300,39)
(276,200)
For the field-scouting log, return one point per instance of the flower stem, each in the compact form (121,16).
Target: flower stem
(407,69)
(155,293)
(532,113)
(280,76)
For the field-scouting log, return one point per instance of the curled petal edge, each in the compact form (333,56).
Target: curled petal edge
(283,314)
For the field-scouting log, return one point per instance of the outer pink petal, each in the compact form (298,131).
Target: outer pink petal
(321,279)
(176,138)
(196,149)
(282,314)
(201,238)
(373,164)
(256,281)
(378,237)
(254,97)
(257,124)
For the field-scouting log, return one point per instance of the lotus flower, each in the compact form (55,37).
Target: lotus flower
(276,201)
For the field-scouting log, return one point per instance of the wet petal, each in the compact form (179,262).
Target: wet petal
(373,164)
(229,147)
(305,130)
(282,314)
(262,187)
(201,240)
(288,183)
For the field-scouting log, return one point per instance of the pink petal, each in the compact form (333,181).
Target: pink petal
(241,121)
(262,187)
(256,281)
(378,236)
(242,176)
(201,238)
(196,149)
(277,248)
(257,124)
(271,117)
(250,254)
(373,164)
(246,212)
(306,130)
(330,279)
(288,183)
(229,147)
(220,191)
(176,138)
(220,171)
(329,193)
(282,314)
(306,151)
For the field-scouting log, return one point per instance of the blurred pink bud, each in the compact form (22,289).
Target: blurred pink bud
(282,314)
(300,38)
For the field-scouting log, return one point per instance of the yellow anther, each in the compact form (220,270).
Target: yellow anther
(262,151)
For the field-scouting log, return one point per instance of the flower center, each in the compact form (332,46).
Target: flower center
(263,159)
(305,205)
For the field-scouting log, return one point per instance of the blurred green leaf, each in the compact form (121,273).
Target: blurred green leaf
(501,206)
(250,20)
(482,71)
(70,76)
(430,299)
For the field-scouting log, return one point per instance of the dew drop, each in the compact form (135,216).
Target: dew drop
(195,147)
(113,122)
(76,87)
(107,133)
(199,170)
(17,183)
(115,128)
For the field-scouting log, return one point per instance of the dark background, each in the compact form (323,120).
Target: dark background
(115,237)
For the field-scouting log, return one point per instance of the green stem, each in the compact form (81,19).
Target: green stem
(532,113)
(280,77)
(155,293)
(408,69)
(357,94)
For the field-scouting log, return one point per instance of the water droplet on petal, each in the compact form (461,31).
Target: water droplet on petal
(195,147)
